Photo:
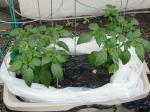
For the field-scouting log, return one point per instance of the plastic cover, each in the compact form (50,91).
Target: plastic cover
(125,84)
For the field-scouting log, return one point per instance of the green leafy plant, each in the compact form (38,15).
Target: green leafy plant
(69,23)
(116,37)
(35,56)
(86,20)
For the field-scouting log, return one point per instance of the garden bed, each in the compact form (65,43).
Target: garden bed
(79,73)
(92,72)
(13,103)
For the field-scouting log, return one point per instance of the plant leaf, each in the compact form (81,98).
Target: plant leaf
(55,34)
(140,51)
(28,76)
(14,32)
(121,19)
(124,56)
(61,59)
(146,44)
(58,27)
(16,65)
(45,77)
(114,53)
(14,53)
(36,61)
(86,37)
(35,30)
(42,28)
(93,26)
(61,56)
(28,27)
(63,45)
(118,29)
(137,33)
(45,60)
(57,71)
(121,38)
(113,68)
(134,21)
(98,58)
(66,33)
(36,54)
(100,37)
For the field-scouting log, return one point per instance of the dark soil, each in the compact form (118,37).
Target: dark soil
(142,105)
(79,73)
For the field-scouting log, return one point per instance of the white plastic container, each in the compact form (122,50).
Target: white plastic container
(13,103)
(129,83)
(66,8)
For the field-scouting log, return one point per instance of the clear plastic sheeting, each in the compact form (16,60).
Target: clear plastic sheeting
(125,84)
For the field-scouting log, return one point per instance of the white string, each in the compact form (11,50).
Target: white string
(30,21)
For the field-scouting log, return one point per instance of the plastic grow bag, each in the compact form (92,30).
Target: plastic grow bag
(126,84)
(41,9)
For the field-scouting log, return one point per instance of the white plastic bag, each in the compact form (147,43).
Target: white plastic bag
(125,84)
(65,8)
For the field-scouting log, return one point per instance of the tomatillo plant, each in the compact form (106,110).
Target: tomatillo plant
(116,37)
(33,58)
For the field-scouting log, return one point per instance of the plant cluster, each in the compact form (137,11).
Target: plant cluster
(69,23)
(35,57)
(32,56)
(86,20)
(116,37)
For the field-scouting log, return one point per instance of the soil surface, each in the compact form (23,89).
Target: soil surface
(79,73)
